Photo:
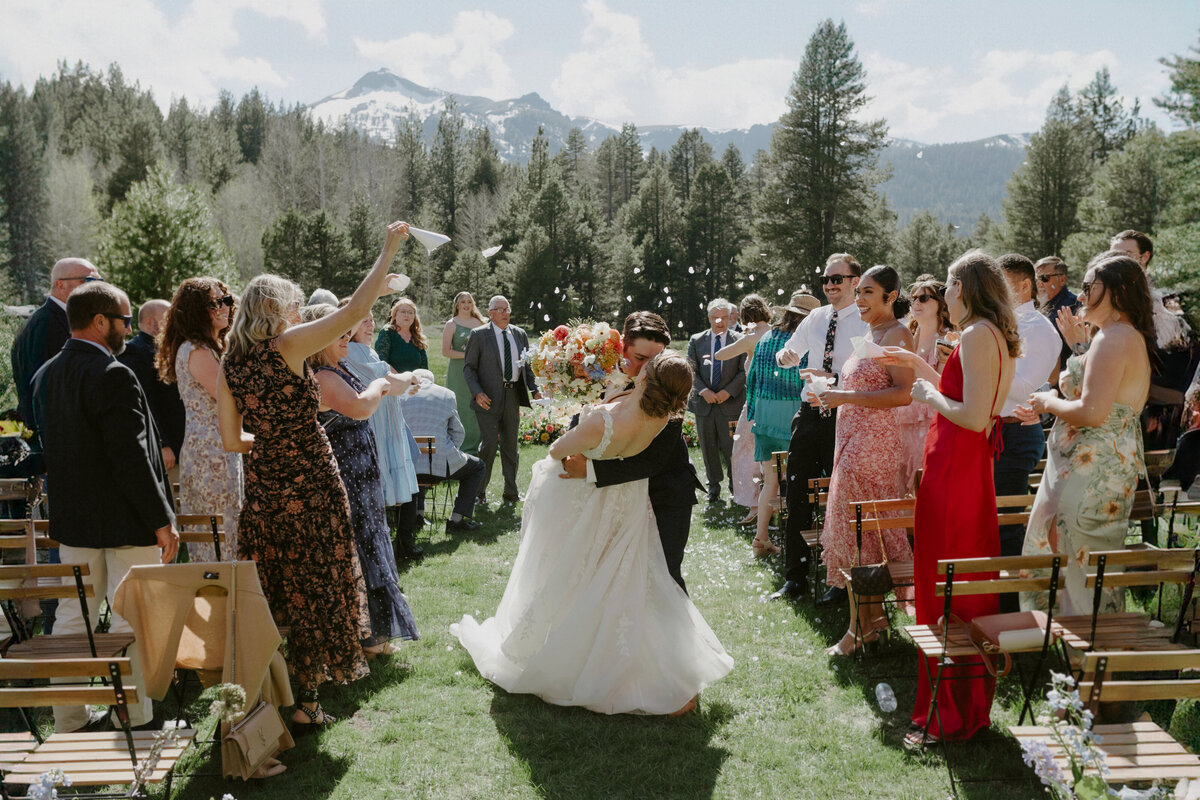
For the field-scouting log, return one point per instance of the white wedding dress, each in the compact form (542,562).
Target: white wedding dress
(590,616)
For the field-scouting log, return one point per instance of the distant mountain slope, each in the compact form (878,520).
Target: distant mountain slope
(957,181)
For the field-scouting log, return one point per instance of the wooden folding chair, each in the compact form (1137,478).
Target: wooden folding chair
(818,495)
(55,646)
(1079,634)
(951,646)
(214,535)
(430,483)
(89,759)
(1137,752)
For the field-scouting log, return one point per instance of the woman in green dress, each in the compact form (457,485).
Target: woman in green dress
(401,342)
(465,319)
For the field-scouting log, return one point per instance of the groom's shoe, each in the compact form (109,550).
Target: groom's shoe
(834,596)
(511,498)
(791,590)
(466,524)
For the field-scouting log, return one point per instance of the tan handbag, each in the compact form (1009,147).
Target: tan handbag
(998,636)
(261,733)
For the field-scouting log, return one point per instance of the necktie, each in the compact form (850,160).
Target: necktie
(827,361)
(716,365)
(507,355)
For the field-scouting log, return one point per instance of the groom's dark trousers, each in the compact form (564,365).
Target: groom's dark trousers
(673,485)
(810,455)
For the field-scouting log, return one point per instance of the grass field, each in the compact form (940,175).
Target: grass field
(788,722)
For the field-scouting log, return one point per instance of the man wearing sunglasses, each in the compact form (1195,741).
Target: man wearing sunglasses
(111,504)
(824,336)
(47,330)
(1054,295)
(165,405)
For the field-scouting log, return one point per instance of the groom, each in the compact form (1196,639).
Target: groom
(673,481)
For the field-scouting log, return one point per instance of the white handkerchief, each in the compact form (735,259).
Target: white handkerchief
(865,348)
(431,240)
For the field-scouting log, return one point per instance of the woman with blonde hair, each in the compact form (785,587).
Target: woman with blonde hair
(295,520)
(956,502)
(401,342)
(189,353)
(464,318)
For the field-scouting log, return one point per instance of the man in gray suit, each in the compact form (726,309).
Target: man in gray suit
(433,411)
(501,384)
(718,392)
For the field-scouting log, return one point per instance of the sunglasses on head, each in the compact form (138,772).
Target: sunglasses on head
(836,280)
(1050,276)
(226,301)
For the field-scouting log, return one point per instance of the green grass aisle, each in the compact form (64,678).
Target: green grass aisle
(787,722)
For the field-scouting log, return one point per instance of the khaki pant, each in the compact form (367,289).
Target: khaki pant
(107,567)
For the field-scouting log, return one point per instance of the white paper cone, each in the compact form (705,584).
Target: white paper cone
(431,240)
(491,251)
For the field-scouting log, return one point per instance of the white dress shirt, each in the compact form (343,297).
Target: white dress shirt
(809,336)
(501,335)
(1041,349)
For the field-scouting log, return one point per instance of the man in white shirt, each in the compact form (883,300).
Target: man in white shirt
(822,343)
(1023,445)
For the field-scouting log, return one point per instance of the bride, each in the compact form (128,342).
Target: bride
(591,617)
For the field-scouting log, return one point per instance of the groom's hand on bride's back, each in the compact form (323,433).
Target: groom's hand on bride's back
(575,466)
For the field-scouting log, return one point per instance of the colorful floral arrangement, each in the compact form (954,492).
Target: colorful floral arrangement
(572,362)
(689,430)
(543,425)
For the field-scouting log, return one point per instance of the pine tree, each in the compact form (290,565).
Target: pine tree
(485,162)
(251,126)
(629,162)
(1042,197)
(161,234)
(1183,100)
(447,166)
(414,164)
(823,164)
(713,239)
(689,153)
(180,134)
(22,194)
(575,160)
(654,223)
(925,245)
(1108,125)
(140,150)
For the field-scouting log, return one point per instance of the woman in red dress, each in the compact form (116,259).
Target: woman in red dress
(956,501)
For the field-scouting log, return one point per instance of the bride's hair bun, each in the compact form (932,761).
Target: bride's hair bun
(668,384)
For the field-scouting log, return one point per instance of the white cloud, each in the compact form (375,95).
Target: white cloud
(467,59)
(614,76)
(1001,91)
(191,56)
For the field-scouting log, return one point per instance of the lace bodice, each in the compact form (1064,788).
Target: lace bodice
(606,439)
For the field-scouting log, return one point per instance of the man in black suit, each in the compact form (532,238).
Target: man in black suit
(47,330)
(501,384)
(673,481)
(165,405)
(718,393)
(111,507)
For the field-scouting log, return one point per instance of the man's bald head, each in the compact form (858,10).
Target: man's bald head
(68,274)
(150,316)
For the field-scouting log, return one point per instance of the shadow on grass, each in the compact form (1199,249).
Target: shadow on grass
(575,753)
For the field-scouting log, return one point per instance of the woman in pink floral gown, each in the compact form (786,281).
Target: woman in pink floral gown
(868,456)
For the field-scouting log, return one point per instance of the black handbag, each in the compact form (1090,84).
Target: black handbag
(872,579)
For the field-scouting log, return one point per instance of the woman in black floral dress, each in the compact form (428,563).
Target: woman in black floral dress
(295,519)
(346,405)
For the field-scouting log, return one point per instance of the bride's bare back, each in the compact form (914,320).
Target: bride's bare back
(632,429)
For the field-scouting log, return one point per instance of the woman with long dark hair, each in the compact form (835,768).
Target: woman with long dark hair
(956,502)
(190,347)
(868,456)
(1094,451)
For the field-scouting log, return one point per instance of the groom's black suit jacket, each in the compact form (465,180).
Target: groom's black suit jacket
(673,485)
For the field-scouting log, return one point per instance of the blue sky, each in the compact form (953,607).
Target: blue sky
(938,71)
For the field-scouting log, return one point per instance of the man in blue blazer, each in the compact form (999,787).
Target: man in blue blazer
(47,330)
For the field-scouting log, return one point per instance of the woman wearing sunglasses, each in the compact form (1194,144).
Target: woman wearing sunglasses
(189,353)
(929,321)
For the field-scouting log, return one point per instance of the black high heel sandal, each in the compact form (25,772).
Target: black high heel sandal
(301,728)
